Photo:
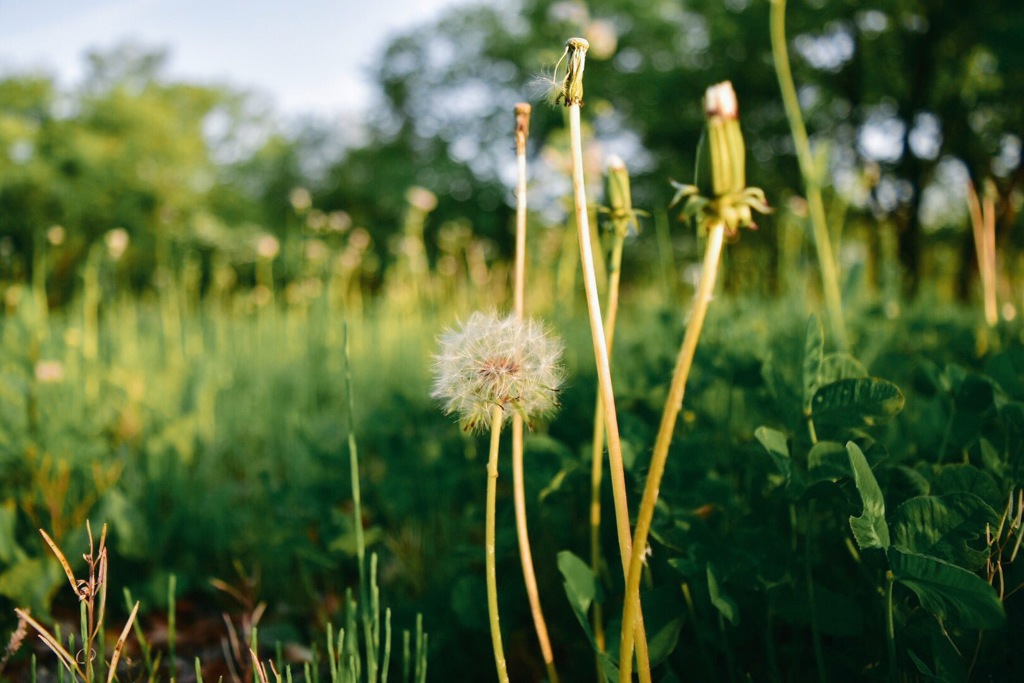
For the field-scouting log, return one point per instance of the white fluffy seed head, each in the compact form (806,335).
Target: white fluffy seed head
(497,361)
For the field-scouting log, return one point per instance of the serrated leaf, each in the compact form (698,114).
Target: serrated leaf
(814,348)
(725,605)
(953,594)
(943,527)
(870,529)
(857,402)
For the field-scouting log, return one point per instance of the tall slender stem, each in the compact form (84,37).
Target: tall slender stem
(618,473)
(597,454)
(518,486)
(572,94)
(489,534)
(673,404)
(519,282)
(815,204)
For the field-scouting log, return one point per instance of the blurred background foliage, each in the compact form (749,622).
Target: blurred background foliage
(904,102)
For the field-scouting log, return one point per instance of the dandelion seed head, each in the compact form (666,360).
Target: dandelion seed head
(497,361)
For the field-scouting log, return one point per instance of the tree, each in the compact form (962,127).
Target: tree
(934,81)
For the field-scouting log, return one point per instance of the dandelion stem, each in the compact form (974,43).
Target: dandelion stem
(673,404)
(518,488)
(815,204)
(522,132)
(573,93)
(597,454)
(492,574)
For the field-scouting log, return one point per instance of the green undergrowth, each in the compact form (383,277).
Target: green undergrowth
(817,508)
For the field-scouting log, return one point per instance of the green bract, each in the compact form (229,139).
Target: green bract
(719,192)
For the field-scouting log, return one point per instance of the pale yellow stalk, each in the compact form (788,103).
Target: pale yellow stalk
(489,542)
(572,93)
(518,488)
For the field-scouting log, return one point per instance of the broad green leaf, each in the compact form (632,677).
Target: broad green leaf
(922,668)
(968,478)
(663,616)
(827,460)
(870,529)
(774,442)
(913,482)
(663,611)
(990,458)
(814,347)
(953,594)
(837,366)
(580,587)
(857,402)
(943,527)
(1007,368)
(1012,415)
(722,602)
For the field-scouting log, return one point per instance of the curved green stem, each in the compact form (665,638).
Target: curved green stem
(673,404)
(815,204)
(489,533)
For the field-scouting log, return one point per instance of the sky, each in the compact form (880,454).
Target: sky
(310,56)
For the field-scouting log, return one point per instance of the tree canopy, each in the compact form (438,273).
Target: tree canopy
(904,101)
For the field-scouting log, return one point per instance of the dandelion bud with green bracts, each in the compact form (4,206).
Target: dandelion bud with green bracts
(498,361)
(720,192)
(620,200)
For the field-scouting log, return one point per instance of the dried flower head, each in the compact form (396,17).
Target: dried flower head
(497,361)
(575,57)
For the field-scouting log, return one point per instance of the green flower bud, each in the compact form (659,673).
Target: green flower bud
(620,200)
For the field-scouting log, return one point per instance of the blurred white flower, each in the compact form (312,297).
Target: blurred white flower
(421,198)
(117,242)
(55,235)
(492,361)
(603,38)
(48,371)
(338,221)
(300,199)
(316,251)
(267,246)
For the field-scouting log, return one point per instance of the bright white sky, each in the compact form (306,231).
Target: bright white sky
(310,56)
